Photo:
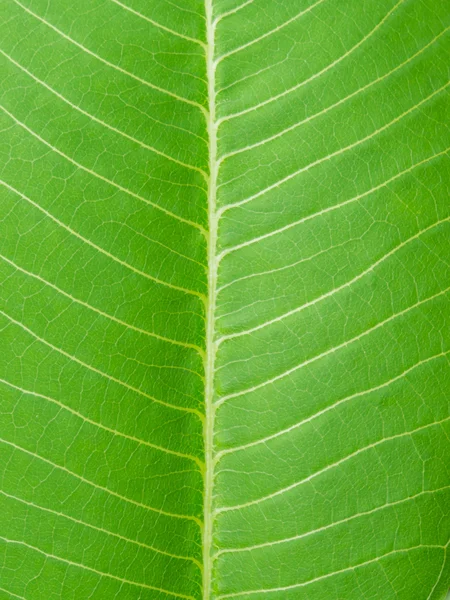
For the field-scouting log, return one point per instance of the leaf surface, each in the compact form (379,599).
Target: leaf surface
(224,262)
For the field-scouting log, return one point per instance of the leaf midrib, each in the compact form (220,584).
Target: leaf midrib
(210,344)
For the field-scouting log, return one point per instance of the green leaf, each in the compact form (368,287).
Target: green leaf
(224,317)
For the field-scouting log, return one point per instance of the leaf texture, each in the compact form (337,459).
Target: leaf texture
(224,258)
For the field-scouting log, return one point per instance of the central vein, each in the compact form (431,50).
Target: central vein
(210,306)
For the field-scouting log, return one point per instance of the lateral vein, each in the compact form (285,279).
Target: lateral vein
(99,487)
(100,122)
(332,106)
(92,570)
(231,12)
(98,176)
(151,334)
(98,371)
(98,248)
(99,529)
(329,408)
(107,62)
(324,211)
(159,25)
(280,182)
(318,74)
(328,575)
(114,432)
(333,349)
(269,33)
(12,594)
(328,468)
(331,293)
(366,513)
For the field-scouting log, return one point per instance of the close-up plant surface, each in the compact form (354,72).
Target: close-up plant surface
(224,254)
